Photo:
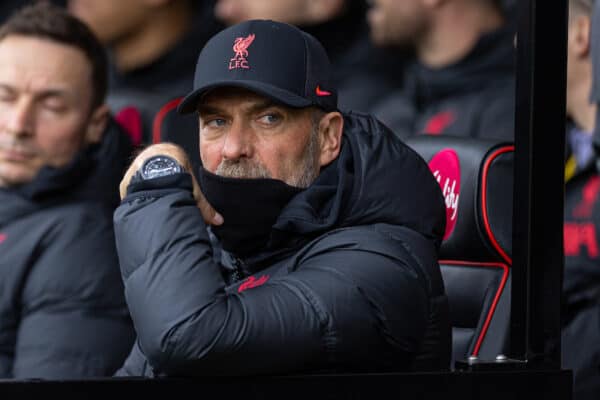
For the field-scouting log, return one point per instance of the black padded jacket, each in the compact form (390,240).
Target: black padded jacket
(62,310)
(349,282)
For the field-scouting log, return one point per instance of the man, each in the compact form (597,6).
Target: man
(462,82)
(581,113)
(363,73)
(329,227)
(62,310)
(581,285)
(153,46)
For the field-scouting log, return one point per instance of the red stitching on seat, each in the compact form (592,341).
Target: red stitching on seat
(492,309)
(158,119)
(486,222)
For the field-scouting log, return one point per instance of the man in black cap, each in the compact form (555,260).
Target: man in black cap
(329,227)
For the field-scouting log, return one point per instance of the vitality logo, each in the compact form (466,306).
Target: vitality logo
(445,167)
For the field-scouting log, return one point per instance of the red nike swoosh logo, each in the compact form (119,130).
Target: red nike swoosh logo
(322,92)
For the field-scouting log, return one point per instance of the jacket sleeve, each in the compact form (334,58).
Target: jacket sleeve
(136,364)
(375,307)
(74,320)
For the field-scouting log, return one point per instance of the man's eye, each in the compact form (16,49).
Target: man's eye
(270,118)
(55,105)
(215,123)
(6,95)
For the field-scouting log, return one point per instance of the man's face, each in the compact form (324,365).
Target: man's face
(110,20)
(235,11)
(396,22)
(45,101)
(579,64)
(244,135)
(572,71)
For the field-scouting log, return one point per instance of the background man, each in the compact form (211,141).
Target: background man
(62,309)
(463,80)
(581,113)
(153,48)
(581,284)
(330,227)
(364,73)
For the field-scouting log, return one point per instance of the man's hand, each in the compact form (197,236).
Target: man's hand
(208,213)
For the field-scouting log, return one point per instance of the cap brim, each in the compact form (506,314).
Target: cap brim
(190,102)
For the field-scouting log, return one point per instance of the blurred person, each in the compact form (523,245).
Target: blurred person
(581,112)
(62,309)
(7,7)
(153,48)
(364,73)
(581,283)
(463,80)
(329,259)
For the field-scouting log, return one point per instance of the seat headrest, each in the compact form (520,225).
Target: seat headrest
(170,126)
(476,178)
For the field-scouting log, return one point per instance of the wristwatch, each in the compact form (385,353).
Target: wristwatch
(158,166)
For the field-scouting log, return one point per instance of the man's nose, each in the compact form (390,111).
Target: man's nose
(19,118)
(237,142)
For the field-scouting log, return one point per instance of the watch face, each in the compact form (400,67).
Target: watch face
(158,166)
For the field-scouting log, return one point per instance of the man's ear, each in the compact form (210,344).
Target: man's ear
(580,36)
(331,127)
(97,124)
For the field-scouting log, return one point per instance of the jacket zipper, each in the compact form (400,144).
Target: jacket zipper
(238,271)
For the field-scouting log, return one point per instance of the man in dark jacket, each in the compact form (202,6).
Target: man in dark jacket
(62,309)
(329,227)
(463,80)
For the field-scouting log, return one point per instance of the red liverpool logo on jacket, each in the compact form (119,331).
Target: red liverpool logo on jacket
(252,282)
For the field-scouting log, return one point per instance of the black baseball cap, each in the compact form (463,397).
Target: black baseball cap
(274,59)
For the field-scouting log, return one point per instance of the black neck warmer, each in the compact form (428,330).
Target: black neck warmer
(53,182)
(250,208)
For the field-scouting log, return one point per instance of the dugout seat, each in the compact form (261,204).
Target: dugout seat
(476,178)
(170,126)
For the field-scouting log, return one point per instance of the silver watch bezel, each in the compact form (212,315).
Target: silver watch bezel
(173,168)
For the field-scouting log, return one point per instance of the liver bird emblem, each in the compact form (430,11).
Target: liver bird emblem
(240,47)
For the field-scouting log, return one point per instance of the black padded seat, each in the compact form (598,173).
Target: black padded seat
(476,177)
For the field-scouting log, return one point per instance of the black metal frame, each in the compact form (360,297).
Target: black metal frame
(539,182)
(533,369)
(500,385)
